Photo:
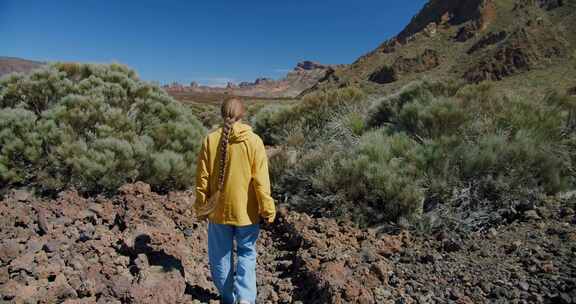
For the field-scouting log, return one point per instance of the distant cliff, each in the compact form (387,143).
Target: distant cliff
(506,41)
(304,76)
(11,64)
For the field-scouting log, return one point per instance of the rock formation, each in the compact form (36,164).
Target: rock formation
(305,75)
(11,65)
(470,40)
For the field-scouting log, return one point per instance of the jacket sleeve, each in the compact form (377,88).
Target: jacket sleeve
(266,208)
(202,176)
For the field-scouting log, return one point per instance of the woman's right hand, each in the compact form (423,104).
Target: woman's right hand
(266,223)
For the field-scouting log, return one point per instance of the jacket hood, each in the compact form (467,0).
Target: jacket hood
(240,132)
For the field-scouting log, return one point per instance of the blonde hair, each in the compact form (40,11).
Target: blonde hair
(232,110)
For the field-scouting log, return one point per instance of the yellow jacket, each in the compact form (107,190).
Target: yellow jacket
(245,196)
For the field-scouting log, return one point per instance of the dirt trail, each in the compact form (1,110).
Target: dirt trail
(276,277)
(141,247)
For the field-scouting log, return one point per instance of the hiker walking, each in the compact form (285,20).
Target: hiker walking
(233,193)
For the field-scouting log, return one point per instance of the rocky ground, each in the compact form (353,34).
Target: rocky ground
(142,247)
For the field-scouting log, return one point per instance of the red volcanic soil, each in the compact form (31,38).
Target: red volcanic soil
(143,247)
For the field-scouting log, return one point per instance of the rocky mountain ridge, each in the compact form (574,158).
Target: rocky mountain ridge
(305,75)
(505,41)
(12,64)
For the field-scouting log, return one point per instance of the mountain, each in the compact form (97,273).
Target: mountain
(525,43)
(305,75)
(12,64)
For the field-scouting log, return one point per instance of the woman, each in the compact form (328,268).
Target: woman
(233,192)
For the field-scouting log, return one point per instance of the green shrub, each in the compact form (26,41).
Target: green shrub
(385,110)
(429,142)
(208,114)
(94,127)
(321,104)
(437,117)
(379,174)
(20,145)
(269,121)
(313,113)
(521,161)
(354,122)
(502,143)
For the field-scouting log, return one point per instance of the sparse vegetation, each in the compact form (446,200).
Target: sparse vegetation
(421,145)
(93,128)
(312,114)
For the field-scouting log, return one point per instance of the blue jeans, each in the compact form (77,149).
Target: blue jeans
(220,246)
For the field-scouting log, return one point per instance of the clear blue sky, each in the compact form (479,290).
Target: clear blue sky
(208,41)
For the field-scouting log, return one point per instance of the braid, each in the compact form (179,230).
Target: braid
(224,138)
(232,111)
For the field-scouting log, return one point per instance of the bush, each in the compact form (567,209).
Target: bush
(20,144)
(269,120)
(380,174)
(428,143)
(503,144)
(388,110)
(208,114)
(522,161)
(313,113)
(94,127)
